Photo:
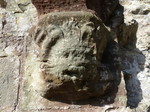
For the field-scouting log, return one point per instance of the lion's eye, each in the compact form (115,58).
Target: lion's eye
(53,31)
(87,30)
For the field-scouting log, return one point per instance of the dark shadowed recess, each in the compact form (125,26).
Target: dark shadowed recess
(3,4)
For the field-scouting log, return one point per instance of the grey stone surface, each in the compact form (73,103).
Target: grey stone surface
(9,81)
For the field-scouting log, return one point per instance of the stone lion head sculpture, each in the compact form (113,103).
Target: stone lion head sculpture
(65,56)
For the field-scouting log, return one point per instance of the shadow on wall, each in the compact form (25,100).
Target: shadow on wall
(132,64)
(132,61)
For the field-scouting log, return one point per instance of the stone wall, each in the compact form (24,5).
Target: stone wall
(16,17)
(122,51)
